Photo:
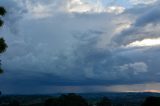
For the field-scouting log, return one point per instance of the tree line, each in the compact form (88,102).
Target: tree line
(72,99)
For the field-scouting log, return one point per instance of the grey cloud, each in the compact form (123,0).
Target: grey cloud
(150,17)
(136,68)
(64,50)
(14,14)
(145,25)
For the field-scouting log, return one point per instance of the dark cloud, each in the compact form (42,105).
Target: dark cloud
(150,17)
(145,24)
(77,49)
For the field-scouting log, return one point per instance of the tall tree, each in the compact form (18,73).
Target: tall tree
(3,45)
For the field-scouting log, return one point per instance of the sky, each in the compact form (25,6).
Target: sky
(61,46)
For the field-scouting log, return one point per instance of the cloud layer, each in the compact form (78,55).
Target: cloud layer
(78,43)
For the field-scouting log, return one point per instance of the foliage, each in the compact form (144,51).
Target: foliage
(2,11)
(72,100)
(1,22)
(152,101)
(104,102)
(67,100)
(3,44)
(52,102)
(14,103)
(1,70)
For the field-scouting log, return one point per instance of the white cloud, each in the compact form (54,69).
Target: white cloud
(115,9)
(145,42)
(80,6)
(136,2)
(39,10)
(136,68)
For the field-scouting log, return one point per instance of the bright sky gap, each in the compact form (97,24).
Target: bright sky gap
(145,42)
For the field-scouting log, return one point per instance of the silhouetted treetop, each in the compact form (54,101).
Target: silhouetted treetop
(72,100)
(1,23)
(14,103)
(104,102)
(52,102)
(67,100)
(2,11)
(152,101)
(3,45)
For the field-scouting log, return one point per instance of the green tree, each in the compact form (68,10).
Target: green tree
(3,45)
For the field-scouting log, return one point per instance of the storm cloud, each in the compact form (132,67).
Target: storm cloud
(50,45)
